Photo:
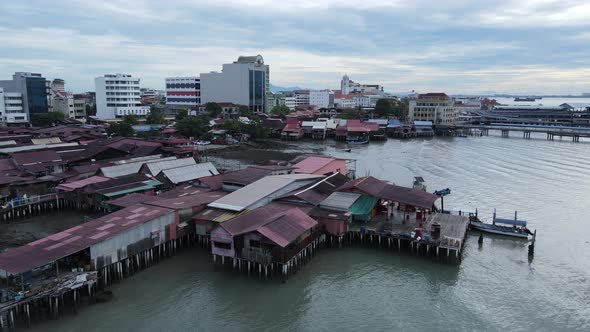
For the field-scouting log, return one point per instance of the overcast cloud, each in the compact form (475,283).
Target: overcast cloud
(540,46)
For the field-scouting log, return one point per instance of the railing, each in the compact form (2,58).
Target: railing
(26,200)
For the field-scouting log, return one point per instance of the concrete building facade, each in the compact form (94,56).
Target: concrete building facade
(243,82)
(321,98)
(25,95)
(435,107)
(183,91)
(118,95)
(348,86)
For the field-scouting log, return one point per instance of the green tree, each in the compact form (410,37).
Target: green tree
(46,119)
(213,109)
(233,126)
(131,119)
(181,115)
(156,116)
(383,108)
(122,129)
(193,126)
(280,111)
(350,113)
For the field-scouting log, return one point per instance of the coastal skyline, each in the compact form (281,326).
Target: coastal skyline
(537,47)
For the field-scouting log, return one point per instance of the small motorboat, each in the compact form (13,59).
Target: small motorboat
(347,150)
(508,227)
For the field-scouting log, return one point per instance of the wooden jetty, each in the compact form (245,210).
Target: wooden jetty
(440,236)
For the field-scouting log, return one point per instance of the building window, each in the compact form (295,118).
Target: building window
(222,245)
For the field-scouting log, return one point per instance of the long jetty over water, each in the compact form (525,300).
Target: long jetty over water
(505,128)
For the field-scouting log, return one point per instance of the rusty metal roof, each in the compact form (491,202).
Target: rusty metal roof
(49,249)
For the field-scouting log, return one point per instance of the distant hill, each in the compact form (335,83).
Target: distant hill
(276,88)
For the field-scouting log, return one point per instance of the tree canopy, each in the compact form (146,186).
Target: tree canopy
(254,128)
(46,119)
(383,108)
(156,116)
(181,115)
(193,126)
(122,129)
(280,111)
(131,119)
(213,109)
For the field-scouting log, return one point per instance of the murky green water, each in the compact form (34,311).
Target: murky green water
(495,288)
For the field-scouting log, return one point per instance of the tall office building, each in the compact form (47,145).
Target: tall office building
(183,91)
(118,95)
(28,95)
(243,82)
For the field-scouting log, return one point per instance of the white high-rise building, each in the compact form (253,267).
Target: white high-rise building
(321,98)
(244,82)
(118,95)
(11,108)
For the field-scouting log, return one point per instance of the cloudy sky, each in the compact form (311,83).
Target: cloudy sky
(515,46)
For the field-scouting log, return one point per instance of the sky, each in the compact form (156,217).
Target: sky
(470,47)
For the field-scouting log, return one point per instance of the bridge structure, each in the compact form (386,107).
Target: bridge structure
(551,131)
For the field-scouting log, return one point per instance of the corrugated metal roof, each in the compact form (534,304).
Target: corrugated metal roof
(312,164)
(363,205)
(70,241)
(5,143)
(147,185)
(188,201)
(160,165)
(190,172)
(246,176)
(340,201)
(287,227)
(244,197)
(35,147)
(132,199)
(48,140)
(282,224)
(127,168)
(71,186)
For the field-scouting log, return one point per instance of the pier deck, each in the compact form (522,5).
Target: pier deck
(453,231)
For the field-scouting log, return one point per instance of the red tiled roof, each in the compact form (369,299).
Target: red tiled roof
(293,127)
(355,126)
(75,239)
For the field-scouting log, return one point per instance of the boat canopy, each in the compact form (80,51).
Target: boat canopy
(510,222)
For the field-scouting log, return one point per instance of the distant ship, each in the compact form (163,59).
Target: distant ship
(527,98)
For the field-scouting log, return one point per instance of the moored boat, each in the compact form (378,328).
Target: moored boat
(508,227)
